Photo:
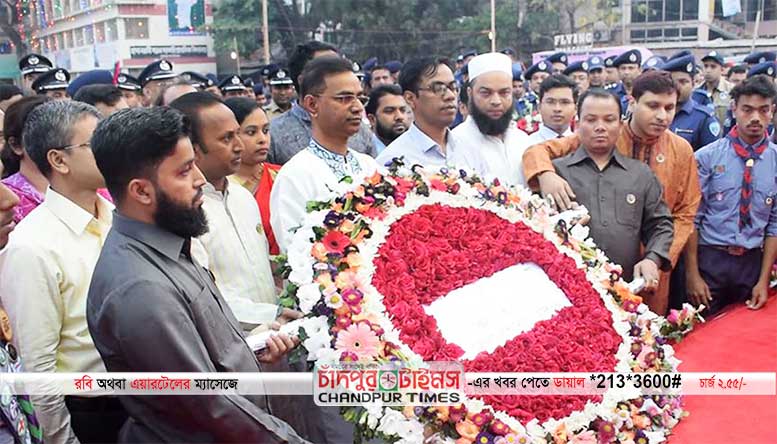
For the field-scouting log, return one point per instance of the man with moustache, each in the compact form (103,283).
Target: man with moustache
(622,195)
(330,92)
(729,257)
(151,306)
(489,134)
(388,114)
(233,250)
(430,89)
(645,137)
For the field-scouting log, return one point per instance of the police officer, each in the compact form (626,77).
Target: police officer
(534,76)
(628,65)
(31,67)
(611,77)
(131,89)
(249,84)
(678,54)
(760,57)
(53,83)
(394,67)
(714,92)
(578,71)
(559,62)
(153,77)
(232,86)
(461,63)
(653,62)
(596,77)
(693,122)
(197,80)
(282,92)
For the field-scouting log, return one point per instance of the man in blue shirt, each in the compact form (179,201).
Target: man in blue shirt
(729,258)
(693,122)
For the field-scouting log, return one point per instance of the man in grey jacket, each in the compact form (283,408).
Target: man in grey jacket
(151,307)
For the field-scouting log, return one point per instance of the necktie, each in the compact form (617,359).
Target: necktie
(36,433)
(748,155)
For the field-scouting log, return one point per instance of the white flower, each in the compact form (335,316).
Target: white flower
(301,267)
(314,344)
(411,430)
(391,422)
(374,413)
(655,437)
(308,295)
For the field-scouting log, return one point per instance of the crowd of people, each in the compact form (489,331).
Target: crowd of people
(139,216)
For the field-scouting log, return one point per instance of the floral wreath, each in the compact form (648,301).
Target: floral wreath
(348,267)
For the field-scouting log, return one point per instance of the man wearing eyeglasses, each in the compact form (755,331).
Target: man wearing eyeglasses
(47,266)
(431,90)
(558,95)
(332,94)
(489,138)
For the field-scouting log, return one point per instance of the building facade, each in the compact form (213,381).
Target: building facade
(81,35)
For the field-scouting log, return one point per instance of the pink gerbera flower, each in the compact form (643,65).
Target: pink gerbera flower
(358,339)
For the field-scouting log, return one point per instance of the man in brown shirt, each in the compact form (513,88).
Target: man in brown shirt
(622,195)
(644,137)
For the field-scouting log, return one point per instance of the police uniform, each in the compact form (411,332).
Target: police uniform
(541,66)
(693,122)
(159,70)
(530,100)
(575,67)
(197,80)
(760,57)
(607,65)
(33,65)
(653,63)
(128,83)
(233,83)
(558,57)
(17,415)
(52,80)
(634,57)
(719,98)
(357,69)
(678,54)
(277,78)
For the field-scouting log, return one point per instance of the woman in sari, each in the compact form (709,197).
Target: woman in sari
(256,175)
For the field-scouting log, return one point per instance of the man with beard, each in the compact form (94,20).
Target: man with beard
(730,256)
(388,113)
(234,251)
(151,307)
(46,268)
(558,96)
(489,135)
(645,137)
(153,78)
(693,122)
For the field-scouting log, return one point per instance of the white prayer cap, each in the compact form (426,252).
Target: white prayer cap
(490,62)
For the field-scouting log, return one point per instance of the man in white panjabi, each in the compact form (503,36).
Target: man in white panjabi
(489,136)
(332,94)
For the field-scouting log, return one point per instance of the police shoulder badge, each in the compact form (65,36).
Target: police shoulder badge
(714,128)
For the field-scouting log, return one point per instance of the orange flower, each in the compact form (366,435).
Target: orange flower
(443,413)
(560,434)
(375,179)
(347,226)
(319,252)
(354,260)
(467,429)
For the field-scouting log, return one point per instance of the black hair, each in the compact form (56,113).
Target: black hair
(242,107)
(15,116)
(415,69)
(315,72)
(599,93)
(656,82)
(377,67)
(302,55)
(463,95)
(7,91)
(737,69)
(190,105)
(377,94)
(132,142)
(558,81)
(759,85)
(94,94)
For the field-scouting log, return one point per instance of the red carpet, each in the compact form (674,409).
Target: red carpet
(737,340)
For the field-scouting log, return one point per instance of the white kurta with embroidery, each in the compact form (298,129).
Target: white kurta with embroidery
(304,178)
(501,157)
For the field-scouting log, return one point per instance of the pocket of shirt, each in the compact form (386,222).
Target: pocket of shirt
(722,189)
(764,194)
(628,207)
